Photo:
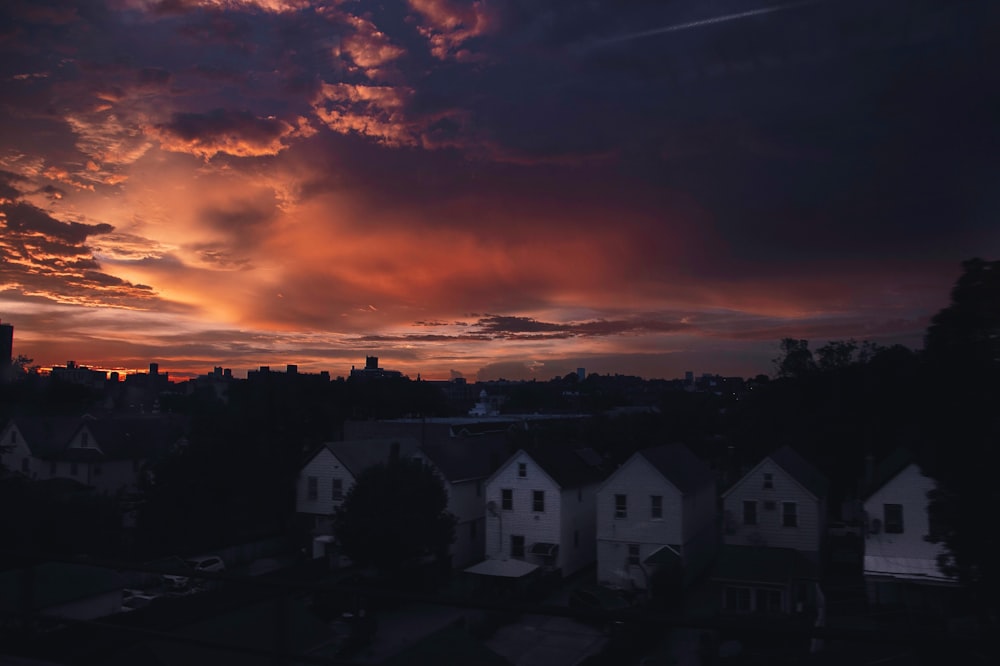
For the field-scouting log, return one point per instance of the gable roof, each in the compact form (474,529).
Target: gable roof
(796,466)
(886,470)
(129,437)
(679,466)
(357,455)
(569,465)
(462,460)
(45,435)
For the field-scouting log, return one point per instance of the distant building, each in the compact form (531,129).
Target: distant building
(79,374)
(6,349)
(372,371)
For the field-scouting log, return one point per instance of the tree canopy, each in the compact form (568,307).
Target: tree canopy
(395,512)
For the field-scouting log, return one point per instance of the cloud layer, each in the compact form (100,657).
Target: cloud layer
(485,186)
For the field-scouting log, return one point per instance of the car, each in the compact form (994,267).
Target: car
(196,565)
(133,600)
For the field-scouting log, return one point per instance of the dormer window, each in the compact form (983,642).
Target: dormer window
(84,439)
(768,481)
(522,469)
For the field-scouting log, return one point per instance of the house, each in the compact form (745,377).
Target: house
(541,509)
(900,565)
(464,466)
(780,503)
(774,520)
(331,470)
(105,453)
(657,511)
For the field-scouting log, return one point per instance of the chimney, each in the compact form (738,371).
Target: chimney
(154,368)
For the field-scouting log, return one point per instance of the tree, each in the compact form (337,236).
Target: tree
(962,374)
(394,513)
(796,360)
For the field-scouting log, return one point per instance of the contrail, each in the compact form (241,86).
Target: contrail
(701,23)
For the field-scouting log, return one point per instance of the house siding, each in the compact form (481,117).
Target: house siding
(14,451)
(564,514)
(769,531)
(688,522)
(578,506)
(908,488)
(468,508)
(325,467)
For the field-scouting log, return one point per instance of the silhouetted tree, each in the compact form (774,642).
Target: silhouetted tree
(796,360)
(962,360)
(395,512)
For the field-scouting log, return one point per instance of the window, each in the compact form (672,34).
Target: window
(538,501)
(768,481)
(338,489)
(749,512)
(633,554)
(656,506)
(516,545)
(621,506)
(84,439)
(312,492)
(738,599)
(892,518)
(767,601)
(789,514)
(507,499)
(522,469)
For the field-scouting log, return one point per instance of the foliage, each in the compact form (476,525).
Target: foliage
(796,360)
(962,369)
(395,512)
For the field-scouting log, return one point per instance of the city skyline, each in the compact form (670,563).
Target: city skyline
(486,189)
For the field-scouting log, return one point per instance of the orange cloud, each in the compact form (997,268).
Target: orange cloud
(448,25)
(237,133)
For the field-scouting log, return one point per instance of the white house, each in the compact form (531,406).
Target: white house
(657,510)
(331,470)
(780,503)
(540,508)
(464,465)
(107,454)
(899,563)
(774,519)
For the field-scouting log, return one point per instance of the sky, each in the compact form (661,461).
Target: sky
(488,188)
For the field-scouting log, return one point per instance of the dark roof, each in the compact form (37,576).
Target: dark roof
(796,466)
(569,465)
(463,459)
(762,564)
(46,435)
(359,454)
(130,437)
(885,471)
(679,466)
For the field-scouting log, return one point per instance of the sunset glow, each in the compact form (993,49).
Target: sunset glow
(476,187)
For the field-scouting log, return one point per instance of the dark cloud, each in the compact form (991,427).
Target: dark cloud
(26,219)
(238,133)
